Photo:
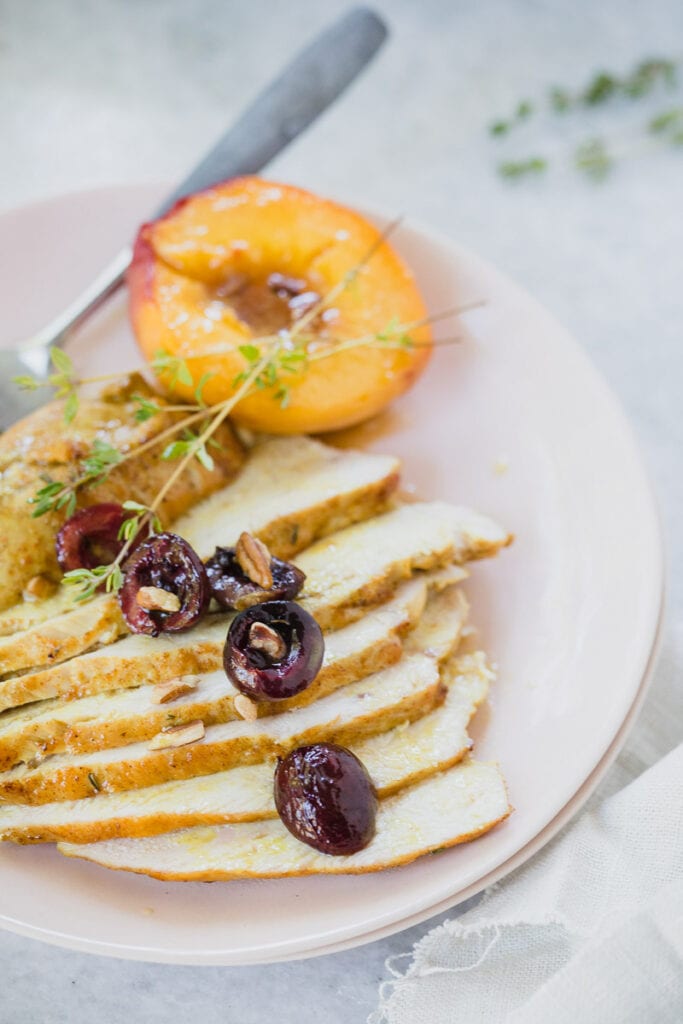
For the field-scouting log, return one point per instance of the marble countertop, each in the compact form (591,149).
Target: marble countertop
(108,91)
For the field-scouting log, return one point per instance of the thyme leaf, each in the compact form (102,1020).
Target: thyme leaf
(199,390)
(174,369)
(26,383)
(143,515)
(100,460)
(146,408)
(593,158)
(53,496)
(668,125)
(191,445)
(514,169)
(85,582)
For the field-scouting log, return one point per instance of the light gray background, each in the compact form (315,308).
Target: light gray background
(96,92)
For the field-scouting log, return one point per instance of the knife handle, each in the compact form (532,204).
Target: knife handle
(307,86)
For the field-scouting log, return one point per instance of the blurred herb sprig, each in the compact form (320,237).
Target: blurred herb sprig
(595,157)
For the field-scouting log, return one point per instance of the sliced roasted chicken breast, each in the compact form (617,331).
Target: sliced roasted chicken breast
(445,809)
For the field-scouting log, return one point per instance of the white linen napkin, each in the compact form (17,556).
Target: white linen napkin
(590,930)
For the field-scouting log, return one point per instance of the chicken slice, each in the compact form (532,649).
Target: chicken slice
(121,716)
(44,446)
(452,807)
(402,693)
(291,491)
(393,759)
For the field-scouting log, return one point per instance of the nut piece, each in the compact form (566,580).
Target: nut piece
(177,735)
(264,638)
(174,688)
(39,588)
(246,708)
(156,599)
(254,560)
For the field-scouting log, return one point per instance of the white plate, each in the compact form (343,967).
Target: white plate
(569,613)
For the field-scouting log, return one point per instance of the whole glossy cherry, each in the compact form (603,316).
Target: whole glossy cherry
(326,799)
(165,587)
(273,650)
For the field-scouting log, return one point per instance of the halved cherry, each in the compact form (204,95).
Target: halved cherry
(273,650)
(90,537)
(165,587)
(233,589)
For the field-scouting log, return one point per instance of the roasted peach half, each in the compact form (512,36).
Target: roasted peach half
(231,269)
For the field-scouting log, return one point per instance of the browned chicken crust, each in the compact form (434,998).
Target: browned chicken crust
(43,445)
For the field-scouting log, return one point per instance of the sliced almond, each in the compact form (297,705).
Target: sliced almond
(156,599)
(39,588)
(254,560)
(174,688)
(264,638)
(245,708)
(177,735)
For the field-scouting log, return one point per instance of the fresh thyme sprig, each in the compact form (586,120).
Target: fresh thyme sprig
(604,86)
(595,157)
(63,380)
(101,459)
(88,581)
(66,384)
(395,335)
(176,370)
(279,355)
(95,468)
(53,496)
(85,582)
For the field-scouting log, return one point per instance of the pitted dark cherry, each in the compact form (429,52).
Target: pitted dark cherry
(168,562)
(273,650)
(232,589)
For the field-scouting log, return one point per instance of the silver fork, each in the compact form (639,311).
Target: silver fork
(307,86)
